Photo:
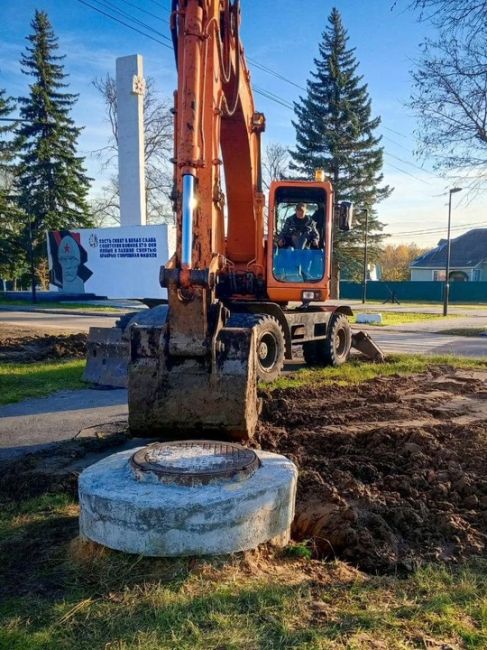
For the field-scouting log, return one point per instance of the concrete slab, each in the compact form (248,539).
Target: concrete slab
(365,318)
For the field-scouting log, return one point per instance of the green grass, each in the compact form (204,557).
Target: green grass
(401,318)
(356,371)
(301,550)
(63,594)
(20,381)
(464,331)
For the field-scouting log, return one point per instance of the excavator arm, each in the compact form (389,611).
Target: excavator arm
(215,125)
(191,372)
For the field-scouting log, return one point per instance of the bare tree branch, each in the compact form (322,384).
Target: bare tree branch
(469,15)
(275,163)
(450,99)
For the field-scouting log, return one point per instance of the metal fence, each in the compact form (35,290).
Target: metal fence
(461,292)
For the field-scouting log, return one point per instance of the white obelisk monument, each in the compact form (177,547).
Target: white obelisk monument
(131,163)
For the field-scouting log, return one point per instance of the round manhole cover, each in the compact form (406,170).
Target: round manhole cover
(194,462)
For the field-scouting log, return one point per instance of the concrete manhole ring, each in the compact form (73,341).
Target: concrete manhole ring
(167,519)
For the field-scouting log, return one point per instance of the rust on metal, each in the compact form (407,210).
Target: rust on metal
(194,462)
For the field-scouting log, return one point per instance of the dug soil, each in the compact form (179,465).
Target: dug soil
(22,346)
(392,472)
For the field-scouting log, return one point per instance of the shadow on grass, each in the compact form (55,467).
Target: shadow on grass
(258,617)
(59,592)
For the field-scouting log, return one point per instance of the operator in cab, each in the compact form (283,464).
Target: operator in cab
(299,231)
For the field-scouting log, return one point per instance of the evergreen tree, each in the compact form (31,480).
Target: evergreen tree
(335,132)
(52,183)
(12,259)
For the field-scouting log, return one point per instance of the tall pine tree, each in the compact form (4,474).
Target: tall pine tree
(12,259)
(335,132)
(52,182)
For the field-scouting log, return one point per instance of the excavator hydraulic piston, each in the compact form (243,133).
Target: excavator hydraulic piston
(189,201)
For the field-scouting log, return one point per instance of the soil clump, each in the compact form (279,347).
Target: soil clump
(21,346)
(392,472)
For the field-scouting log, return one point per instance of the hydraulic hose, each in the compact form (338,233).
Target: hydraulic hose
(174,29)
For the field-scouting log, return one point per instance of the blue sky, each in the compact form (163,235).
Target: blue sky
(284,36)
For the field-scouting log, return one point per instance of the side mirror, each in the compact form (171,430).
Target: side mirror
(345,216)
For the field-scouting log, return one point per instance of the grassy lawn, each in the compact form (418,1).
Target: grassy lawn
(465,331)
(426,303)
(356,371)
(400,318)
(70,594)
(57,592)
(19,381)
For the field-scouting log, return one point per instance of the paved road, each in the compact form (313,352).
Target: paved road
(428,343)
(29,425)
(52,321)
(392,339)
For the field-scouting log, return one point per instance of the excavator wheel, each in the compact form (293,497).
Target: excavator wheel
(333,351)
(269,342)
(270,348)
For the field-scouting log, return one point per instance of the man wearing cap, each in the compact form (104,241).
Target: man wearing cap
(299,231)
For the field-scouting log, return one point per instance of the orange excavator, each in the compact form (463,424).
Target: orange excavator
(241,293)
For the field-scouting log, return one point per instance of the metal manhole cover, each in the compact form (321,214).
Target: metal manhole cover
(194,462)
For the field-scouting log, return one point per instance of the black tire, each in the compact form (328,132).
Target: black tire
(270,347)
(124,320)
(270,343)
(335,349)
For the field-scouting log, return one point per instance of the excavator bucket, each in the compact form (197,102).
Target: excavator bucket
(193,396)
(108,348)
(362,342)
(107,355)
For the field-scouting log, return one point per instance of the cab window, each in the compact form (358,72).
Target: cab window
(299,235)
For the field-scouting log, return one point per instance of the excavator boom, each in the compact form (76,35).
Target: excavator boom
(192,372)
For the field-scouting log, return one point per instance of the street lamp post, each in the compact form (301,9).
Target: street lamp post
(31,259)
(366,237)
(446,288)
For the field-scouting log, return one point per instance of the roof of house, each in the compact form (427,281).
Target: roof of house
(467,251)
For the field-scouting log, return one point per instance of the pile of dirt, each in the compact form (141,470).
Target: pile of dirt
(392,472)
(23,347)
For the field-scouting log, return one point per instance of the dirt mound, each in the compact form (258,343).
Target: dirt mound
(392,472)
(19,347)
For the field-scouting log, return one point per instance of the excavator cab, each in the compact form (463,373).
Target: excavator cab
(299,241)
